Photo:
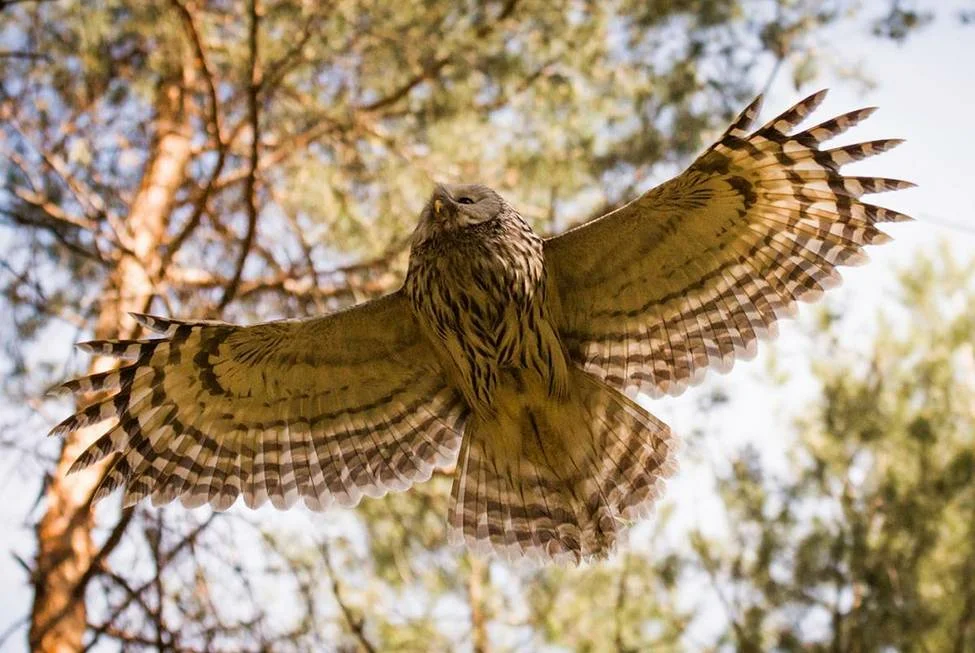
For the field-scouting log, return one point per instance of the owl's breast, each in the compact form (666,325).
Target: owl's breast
(483,303)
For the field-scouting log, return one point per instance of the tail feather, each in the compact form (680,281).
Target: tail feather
(576,474)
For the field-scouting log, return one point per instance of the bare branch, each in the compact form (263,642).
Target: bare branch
(356,623)
(10,3)
(214,118)
(251,180)
(52,210)
(429,72)
(21,54)
(12,628)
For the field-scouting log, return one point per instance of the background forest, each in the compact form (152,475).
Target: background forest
(255,159)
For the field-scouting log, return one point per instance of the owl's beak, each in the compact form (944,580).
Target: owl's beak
(442,202)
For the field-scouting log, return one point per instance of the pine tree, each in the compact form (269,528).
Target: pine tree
(251,159)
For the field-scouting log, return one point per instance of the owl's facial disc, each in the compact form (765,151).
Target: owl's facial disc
(462,205)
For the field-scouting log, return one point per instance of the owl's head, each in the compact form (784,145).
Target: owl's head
(457,206)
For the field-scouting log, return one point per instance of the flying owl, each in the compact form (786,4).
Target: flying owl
(509,357)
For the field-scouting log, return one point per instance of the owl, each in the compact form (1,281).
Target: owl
(510,358)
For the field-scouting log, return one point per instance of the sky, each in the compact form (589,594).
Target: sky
(926,94)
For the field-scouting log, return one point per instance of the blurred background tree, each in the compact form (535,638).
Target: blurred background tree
(266,158)
(866,540)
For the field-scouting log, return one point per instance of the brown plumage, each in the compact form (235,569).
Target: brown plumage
(503,353)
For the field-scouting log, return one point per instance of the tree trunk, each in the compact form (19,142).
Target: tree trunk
(65,550)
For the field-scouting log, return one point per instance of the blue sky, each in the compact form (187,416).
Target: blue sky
(926,94)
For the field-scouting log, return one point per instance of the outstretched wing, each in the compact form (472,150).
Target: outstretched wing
(693,272)
(326,409)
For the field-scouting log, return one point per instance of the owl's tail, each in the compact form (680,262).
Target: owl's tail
(556,479)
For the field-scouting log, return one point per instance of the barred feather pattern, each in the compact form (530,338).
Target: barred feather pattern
(553,463)
(324,410)
(526,348)
(601,469)
(694,272)
(481,295)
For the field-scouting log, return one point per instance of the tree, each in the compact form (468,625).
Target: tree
(65,551)
(865,542)
(260,158)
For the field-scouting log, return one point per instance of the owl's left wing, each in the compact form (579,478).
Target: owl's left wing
(324,409)
(690,274)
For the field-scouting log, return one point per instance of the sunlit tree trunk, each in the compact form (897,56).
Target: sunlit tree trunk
(66,554)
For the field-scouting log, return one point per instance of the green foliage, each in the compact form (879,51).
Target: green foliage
(867,541)
(567,107)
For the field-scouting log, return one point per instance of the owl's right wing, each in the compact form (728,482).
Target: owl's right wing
(691,273)
(328,408)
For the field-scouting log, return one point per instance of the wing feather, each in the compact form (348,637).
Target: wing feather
(324,410)
(692,273)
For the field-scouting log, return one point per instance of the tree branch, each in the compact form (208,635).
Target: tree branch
(475,592)
(216,126)
(357,624)
(251,182)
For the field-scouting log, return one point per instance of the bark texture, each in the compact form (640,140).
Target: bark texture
(67,557)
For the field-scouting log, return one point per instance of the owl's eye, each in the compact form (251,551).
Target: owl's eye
(464,200)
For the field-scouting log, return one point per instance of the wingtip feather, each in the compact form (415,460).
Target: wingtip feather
(812,101)
(148,321)
(58,390)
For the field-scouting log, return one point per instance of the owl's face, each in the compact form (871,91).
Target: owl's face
(457,206)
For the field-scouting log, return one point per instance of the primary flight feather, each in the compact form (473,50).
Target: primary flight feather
(505,355)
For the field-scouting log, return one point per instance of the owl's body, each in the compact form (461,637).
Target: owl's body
(479,294)
(532,477)
(508,357)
